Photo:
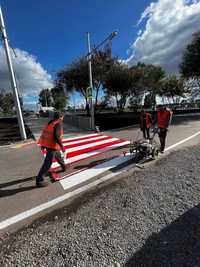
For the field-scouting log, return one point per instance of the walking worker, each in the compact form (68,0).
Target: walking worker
(164,117)
(145,123)
(51,140)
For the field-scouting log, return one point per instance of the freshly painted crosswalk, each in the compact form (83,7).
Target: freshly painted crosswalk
(84,176)
(87,146)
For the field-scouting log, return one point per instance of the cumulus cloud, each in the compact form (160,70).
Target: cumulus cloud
(169,25)
(31,76)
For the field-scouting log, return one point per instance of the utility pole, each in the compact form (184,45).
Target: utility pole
(45,94)
(12,78)
(92,126)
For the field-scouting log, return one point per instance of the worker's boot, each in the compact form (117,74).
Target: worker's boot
(41,184)
(55,176)
(63,168)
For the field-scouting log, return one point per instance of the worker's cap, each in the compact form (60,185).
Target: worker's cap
(57,115)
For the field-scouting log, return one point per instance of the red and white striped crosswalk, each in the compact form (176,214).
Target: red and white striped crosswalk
(88,146)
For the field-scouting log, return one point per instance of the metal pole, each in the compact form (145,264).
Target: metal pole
(12,78)
(91,83)
(45,98)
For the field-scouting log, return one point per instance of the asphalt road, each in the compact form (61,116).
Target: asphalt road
(149,218)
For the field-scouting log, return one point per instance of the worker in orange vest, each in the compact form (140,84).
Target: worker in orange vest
(164,117)
(145,123)
(51,140)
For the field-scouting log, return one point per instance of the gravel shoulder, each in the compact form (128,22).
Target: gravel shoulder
(150,218)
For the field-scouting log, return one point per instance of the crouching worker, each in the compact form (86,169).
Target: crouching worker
(51,140)
(164,117)
(145,123)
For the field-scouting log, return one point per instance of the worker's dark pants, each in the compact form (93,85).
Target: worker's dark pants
(162,135)
(146,133)
(50,155)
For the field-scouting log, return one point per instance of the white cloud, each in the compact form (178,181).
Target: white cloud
(169,28)
(31,77)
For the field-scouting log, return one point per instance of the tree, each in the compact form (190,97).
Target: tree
(172,87)
(150,79)
(76,75)
(45,98)
(135,101)
(148,100)
(6,102)
(102,64)
(190,67)
(59,98)
(119,83)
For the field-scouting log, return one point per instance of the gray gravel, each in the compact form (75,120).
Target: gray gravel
(151,218)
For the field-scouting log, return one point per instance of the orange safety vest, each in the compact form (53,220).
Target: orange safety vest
(47,136)
(148,124)
(164,118)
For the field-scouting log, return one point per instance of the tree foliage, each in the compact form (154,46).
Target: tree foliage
(76,75)
(150,78)
(45,98)
(190,66)
(59,98)
(6,102)
(120,83)
(172,87)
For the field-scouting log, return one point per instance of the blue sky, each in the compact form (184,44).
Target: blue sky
(49,34)
(54,31)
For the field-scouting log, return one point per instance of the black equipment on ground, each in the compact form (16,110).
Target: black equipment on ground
(145,148)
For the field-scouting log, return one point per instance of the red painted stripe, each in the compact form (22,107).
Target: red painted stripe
(89,149)
(81,138)
(89,157)
(85,143)
(89,142)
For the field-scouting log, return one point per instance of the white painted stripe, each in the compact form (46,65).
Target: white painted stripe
(26,214)
(87,140)
(80,136)
(182,141)
(86,175)
(91,153)
(77,148)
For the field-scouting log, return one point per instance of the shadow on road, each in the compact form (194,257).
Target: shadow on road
(16,182)
(10,192)
(90,164)
(176,245)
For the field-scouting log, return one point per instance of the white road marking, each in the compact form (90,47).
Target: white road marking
(98,143)
(86,175)
(80,136)
(182,141)
(85,140)
(26,214)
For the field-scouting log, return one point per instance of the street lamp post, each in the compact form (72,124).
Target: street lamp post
(89,56)
(92,126)
(12,78)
